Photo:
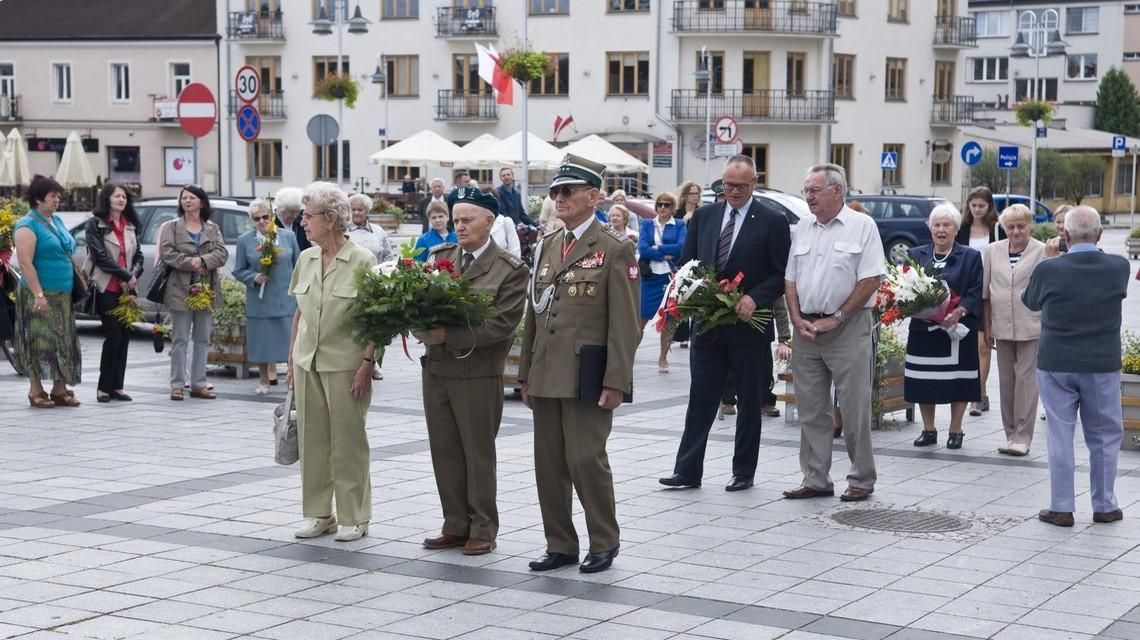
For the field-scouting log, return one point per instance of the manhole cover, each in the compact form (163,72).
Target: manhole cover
(899,520)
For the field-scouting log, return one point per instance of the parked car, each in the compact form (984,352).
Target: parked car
(642,207)
(793,207)
(901,220)
(1041,213)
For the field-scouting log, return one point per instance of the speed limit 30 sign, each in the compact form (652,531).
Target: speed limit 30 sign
(247,84)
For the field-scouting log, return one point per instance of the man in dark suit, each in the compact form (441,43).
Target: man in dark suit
(510,200)
(436,193)
(740,236)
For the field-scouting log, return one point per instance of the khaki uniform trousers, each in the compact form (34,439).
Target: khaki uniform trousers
(843,356)
(570,450)
(1017,374)
(463,417)
(333,445)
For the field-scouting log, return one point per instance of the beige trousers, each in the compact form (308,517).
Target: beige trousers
(1017,372)
(334,446)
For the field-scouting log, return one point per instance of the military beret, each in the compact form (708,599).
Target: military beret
(474,196)
(578,170)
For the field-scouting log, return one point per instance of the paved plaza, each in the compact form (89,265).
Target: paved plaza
(170,521)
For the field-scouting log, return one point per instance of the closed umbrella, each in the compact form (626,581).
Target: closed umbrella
(74,169)
(15,167)
(7,177)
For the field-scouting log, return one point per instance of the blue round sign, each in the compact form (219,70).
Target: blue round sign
(248,122)
(971,153)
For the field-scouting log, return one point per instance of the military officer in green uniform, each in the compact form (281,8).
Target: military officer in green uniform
(463,377)
(582,330)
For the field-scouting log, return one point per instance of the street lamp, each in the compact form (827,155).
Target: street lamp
(380,77)
(323,26)
(704,74)
(1037,38)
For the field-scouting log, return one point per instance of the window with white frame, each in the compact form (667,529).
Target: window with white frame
(989,69)
(120,82)
(1046,89)
(61,82)
(180,75)
(1132,7)
(992,24)
(7,79)
(1081,66)
(1131,56)
(1082,19)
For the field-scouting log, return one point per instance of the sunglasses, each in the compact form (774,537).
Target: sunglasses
(563,190)
(666,205)
(260,218)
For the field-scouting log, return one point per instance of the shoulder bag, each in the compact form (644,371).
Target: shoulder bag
(285,449)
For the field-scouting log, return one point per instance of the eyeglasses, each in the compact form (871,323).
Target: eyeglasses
(260,218)
(737,186)
(562,190)
(309,216)
(664,205)
(811,191)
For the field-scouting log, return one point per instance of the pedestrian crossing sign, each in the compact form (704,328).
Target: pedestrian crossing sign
(889,161)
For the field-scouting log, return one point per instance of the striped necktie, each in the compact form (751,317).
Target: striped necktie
(724,245)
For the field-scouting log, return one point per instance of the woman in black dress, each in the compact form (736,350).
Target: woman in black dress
(941,369)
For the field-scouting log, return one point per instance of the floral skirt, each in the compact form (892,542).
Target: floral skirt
(46,344)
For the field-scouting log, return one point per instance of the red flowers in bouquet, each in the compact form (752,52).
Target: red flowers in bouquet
(695,292)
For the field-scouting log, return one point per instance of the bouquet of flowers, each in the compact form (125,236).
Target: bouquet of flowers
(201,297)
(909,292)
(9,216)
(694,291)
(127,311)
(268,250)
(397,297)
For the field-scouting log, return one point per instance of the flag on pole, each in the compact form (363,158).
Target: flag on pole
(493,74)
(561,123)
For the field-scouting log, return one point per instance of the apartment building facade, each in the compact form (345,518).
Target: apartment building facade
(109,71)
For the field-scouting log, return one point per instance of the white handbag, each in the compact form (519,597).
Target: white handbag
(285,431)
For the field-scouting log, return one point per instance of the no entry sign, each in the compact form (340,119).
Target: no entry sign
(197,109)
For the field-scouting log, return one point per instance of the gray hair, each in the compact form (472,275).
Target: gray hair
(945,211)
(329,201)
(1083,225)
(740,158)
(832,174)
(361,199)
(1015,213)
(259,205)
(290,198)
(439,180)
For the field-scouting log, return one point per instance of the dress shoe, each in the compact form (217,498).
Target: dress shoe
(838,433)
(954,440)
(444,541)
(316,527)
(984,404)
(1108,516)
(770,411)
(807,492)
(552,560)
(975,409)
(1018,449)
(355,532)
(599,561)
(262,390)
(1005,449)
(926,438)
(677,480)
(204,393)
(477,547)
(728,409)
(739,483)
(855,494)
(120,396)
(102,398)
(1059,518)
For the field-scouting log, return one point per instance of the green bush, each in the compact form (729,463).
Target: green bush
(1135,233)
(1043,231)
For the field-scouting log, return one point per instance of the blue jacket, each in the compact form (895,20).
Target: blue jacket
(276,301)
(429,240)
(511,205)
(672,242)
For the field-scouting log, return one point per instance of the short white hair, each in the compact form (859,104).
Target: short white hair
(290,198)
(439,181)
(1083,224)
(362,199)
(329,201)
(1015,213)
(259,205)
(945,211)
(833,174)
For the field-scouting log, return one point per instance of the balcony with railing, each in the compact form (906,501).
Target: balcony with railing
(789,17)
(270,105)
(255,25)
(466,22)
(761,105)
(459,106)
(954,32)
(10,108)
(952,111)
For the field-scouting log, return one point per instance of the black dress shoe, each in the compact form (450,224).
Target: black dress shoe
(926,438)
(122,397)
(678,480)
(553,560)
(954,440)
(599,561)
(739,483)
(102,397)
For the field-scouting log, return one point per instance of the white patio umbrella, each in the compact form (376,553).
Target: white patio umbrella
(424,148)
(476,149)
(540,153)
(74,169)
(14,165)
(595,148)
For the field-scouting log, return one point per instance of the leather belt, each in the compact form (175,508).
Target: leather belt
(815,316)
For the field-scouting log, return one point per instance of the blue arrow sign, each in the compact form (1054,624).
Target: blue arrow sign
(1008,157)
(889,161)
(971,153)
(248,123)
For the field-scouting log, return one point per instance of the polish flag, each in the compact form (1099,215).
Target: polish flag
(493,74)
(560,124)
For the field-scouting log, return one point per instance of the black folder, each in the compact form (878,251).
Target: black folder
(591,372)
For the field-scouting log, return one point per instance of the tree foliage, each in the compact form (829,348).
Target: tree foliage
(1117,104)
(1084,172)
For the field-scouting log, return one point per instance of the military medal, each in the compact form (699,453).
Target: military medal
(545,270)
(569,276)
(573,290)
(591,289)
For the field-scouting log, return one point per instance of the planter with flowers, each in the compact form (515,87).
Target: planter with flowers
(227,340)
(338,87)
(1133,243)
(887,392)
(1130,388)
(525,64)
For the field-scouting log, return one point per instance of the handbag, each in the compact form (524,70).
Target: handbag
(285,449)
(156,292)
(646,270)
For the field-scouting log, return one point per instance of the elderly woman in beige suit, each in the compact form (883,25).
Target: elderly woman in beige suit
(1012,327)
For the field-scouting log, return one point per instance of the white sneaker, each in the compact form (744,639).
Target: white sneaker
(1007,448)
(355,532)
(262,389)
(1018,449)
(316,527)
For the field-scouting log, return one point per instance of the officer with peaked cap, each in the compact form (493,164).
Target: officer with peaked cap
(582,330)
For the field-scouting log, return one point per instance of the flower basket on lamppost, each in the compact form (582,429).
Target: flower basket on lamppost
(525,65)
(338,87)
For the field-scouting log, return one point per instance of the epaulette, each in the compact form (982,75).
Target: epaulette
(511,259)
(443,246)
(551,233)
(613,234)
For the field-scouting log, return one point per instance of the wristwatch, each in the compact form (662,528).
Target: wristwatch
(839,315)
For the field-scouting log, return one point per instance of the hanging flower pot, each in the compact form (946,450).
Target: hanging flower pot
(1030,111)
(338,87)
(525,65)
